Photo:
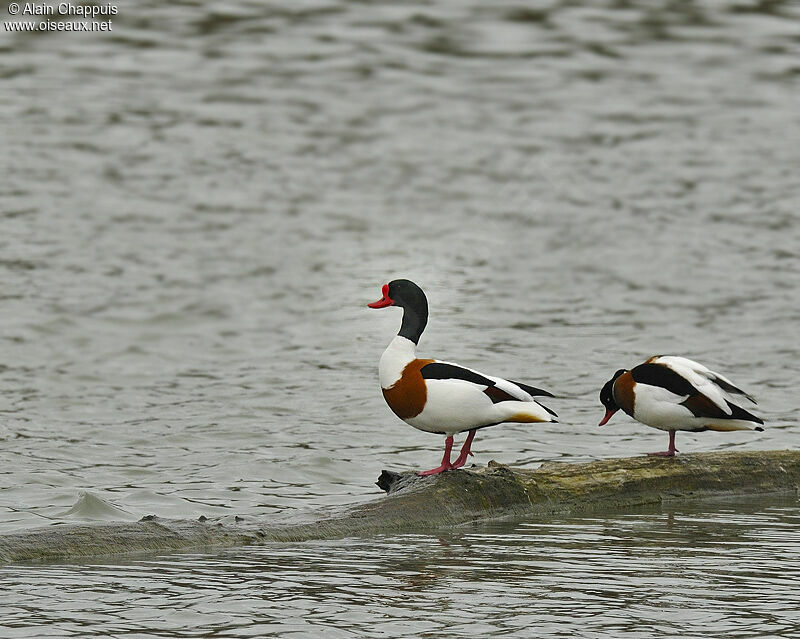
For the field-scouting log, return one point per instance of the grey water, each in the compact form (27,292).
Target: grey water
(196,206)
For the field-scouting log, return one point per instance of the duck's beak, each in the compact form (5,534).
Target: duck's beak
(609,413)
(385,300)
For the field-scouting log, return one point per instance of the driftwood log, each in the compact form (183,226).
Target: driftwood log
(417,504)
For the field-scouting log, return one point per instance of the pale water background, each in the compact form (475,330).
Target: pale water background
(196,207)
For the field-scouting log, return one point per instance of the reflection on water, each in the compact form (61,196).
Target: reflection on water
(687,571)
(196,206)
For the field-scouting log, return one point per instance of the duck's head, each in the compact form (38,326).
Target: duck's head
(607,397)
(408,296)
(403,293)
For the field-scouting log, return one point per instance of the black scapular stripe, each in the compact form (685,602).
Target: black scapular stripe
(440,370)
(664,377)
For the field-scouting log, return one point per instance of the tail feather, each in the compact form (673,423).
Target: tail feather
(525,412)
(526,418)
(725,425)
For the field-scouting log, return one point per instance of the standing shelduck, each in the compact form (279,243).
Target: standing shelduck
(440,397)
(675,393)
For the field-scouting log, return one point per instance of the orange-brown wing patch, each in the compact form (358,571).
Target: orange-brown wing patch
(498,395)
(702,406)
(623,392)
(407,396)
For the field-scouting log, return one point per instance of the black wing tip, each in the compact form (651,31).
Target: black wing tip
(532,390)
(549,410)
(760,429)
(730,388)
(737,412)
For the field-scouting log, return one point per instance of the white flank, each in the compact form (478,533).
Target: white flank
(455,405)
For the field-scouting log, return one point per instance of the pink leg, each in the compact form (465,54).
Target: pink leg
(446,465)
(465,450)
(670,452)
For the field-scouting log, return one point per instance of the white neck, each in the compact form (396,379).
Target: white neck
(394,359)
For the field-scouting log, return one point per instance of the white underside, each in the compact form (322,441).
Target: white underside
(660,408)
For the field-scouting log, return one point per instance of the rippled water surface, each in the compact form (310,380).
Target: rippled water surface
(672,573)
(196,206)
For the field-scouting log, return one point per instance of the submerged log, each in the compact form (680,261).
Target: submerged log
(418,504)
